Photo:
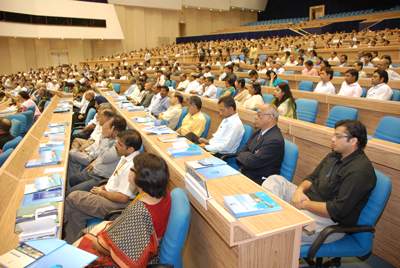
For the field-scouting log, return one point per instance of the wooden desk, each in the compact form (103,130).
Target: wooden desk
(314,142)
(216,238)
(14,176)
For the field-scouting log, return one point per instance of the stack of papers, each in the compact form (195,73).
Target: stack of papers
(142,119)
(41,211)
(56,140)
(48,158)
(161,130)
(109,93)
(43,183)
(52,195)
(125,105)
(213,168)
(207,162)
(191,149)
(119,98)
(171,138)
(55,131)
(250,204)
(136,108)
(60,124)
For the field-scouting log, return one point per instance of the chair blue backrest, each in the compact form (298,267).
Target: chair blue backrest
(29,119)
(38,99)
(359,244)
(364,93)
(205,132)
(340,113)
(90,115)
(234,57)
(290,72)
(284,81)
(307,110)
(388,129)
(219,91)
(173,84)
(4,156)
(31,108)
(12,144)
(117,87)
(15,129)
(46,104)
(396,95)
(263,56)
(21,118)
(241,57)
(247,133)
(262,81)
(267,97)
(177,229)
(246,80)
(306,86)
(183,114)
(336,74)
(289,160)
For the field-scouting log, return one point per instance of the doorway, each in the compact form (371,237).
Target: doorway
(59,58)
(316,12)
(182,29)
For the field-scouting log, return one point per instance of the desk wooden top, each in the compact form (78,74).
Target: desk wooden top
(14,176)
(233,231)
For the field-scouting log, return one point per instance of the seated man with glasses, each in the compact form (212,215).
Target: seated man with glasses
(262,155)
(340,186)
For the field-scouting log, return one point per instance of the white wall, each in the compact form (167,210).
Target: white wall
(61,8)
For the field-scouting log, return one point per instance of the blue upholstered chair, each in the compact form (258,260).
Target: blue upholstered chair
(38,100)
(263,56)
(388,129)
(364,93)
(31,108)
(207,128)
(267,98)
(336,74)
(396,95)
(289,160)
(234,57)
(284,81)
(90,116)
(290,72)
(231,161)
(183,114)
(29,119)
(306,86)
(358,240)
(262,81)
(241,57)
(22,120)
(4,156)
(307,110)
(219,91)
(12,144)
(173,84)
(15,129)
(340,113)
(46,104)
(117,88)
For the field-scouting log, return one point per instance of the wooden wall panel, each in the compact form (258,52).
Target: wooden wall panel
(139,29)
(42,52)
(87,49)
(30,54)
(99,49)
(157,27)
(5,59)
(110,47)
(191,25)
(205,25)
(17,54)
(220,21)
(129,42)
(75,47)
(58,44)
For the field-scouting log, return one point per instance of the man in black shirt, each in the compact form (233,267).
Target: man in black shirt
(338,189)
(5,136)
(229,73)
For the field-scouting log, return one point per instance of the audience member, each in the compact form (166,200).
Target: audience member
(284,101)
(209,89)
(325,86)
(132,91)
(24,101)
(350,86)
(333,56)
(173,113)
(241,92)
(90,102)
(5,135)
(343,61)
(229,73)
(163,103)
(229,89)
(194,121)
(272,77)
(358,65)
(380,90)
(254,99)
(384,66)
(309,70)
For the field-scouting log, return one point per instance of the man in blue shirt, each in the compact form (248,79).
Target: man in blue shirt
(131,88)
(163,103)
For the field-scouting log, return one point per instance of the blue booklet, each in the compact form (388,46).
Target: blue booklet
(217,171)
(48,158)
(136,108)
(193,149)
(250,204)
(55,131)
(142,119)
(52,195)
(52,148)
(61,111)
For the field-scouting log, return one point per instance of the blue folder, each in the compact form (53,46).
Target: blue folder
(217,172)
(52,195)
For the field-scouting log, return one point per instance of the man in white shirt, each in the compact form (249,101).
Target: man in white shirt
(279,69)
(263,68)
(333,56)
(276,58)
(230,132)
(123,76)
(350,86)
(79,104)
(173,113)
(116,194)
(291,61)
(101,83)
(375,56)
(367,60)
(380,90)
(156,98)
(326,86)
(210,91)
(56,86)
(199,89)
(216,62)
(384,66)
(183,84)
(207,71)
(160,78)
(192,84)
(71,79)
(82,80)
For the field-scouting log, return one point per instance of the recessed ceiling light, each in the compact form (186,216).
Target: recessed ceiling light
(259,11)
(62,38)
(210,9)
(186,6)
(199,8)
(39,38)
(251,10)
(242,8)
(15,37)
(233,7)
(102,39)
(220,10)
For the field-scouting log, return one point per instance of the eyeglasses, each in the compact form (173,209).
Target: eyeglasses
(133,170)
(341,136)
(260,114)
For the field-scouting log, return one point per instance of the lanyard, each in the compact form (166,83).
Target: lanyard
(330,172)
(136,198)
(116,171)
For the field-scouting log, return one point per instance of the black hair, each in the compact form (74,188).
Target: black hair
(359,63)
(344,56)
(353,72)
(118,122)
(329,71)
(257,88)
(166,88)
(288,94)
(241,81)
(229,67)
(382,74)
(387,57)
(228,102)
(151,174)
(269,74)
(253,72)
(24,95)
(309,62)
(195,100)
(108,113)
(231,82)
(355,129)
(179,96)
(210,78)
(5,124)
(131,138)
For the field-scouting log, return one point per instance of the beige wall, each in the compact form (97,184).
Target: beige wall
(142,27)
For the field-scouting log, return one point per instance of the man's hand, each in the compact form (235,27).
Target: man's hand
(202,145)
(95,190)
(298,198)
(89,168)
(80,116)
(272,76)
(80,132)
(203,141)
(70,102)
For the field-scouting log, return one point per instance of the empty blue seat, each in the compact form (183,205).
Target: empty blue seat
(262,56)
(306,86)
(117,87)
(15,129)
(340,113)
(207,128)
(219,91)
(241,57)
(396,95)
(12,144)
(285,81)
(336,74)
(4,156)
(173,84)
(388,129)
(290,72)
(364,93)
(306,110)
(289,160)
(267,97)
(262,82)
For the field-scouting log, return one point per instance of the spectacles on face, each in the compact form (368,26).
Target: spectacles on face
(338,136)
(133,170)
(260,114)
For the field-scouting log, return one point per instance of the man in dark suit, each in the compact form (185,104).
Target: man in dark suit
(145,102)
(81,116)
(262,155)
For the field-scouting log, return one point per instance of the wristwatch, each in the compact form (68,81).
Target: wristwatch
(98,193)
